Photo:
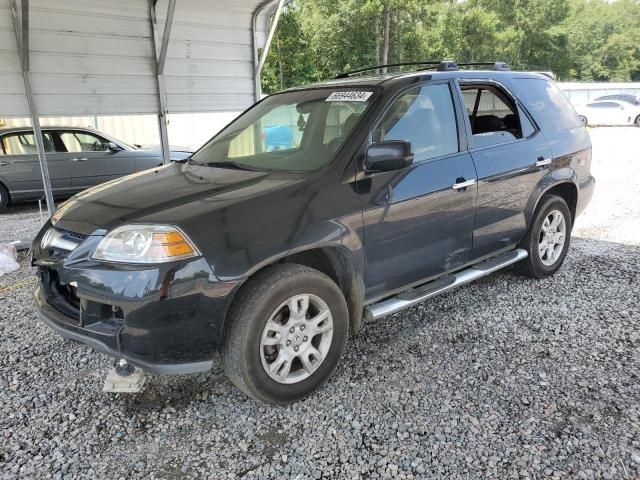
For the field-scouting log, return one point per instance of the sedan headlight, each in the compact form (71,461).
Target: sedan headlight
(145,244)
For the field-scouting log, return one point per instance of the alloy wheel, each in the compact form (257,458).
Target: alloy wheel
(551,240)
(296,338)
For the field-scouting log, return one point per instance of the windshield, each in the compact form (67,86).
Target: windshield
(295,131)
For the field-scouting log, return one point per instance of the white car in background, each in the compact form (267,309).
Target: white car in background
(609,112)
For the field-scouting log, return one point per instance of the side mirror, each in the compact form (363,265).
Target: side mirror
(113,147)
(388,156)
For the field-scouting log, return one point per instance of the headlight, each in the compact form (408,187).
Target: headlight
(145,244)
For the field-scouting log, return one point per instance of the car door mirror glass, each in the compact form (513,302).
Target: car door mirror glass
(389,155)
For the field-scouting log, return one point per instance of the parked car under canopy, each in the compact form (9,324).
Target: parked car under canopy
(78,58)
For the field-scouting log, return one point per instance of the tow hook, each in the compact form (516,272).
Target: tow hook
(124,378)
(124,368)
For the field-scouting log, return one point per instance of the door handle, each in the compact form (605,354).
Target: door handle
(84,159)
(542,162)
(463,184)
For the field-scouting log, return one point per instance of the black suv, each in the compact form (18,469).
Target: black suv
(317,207)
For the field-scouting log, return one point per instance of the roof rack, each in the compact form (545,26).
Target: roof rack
(442,66)
(388,65)
(500,66)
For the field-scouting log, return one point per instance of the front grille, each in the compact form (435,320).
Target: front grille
(77,236)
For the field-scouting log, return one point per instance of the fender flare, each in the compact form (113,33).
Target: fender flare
(342,260)
(551,180)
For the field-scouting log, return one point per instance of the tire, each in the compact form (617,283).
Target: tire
(545,261)
(637,121)
(4,198)
(584,120)
(266,299)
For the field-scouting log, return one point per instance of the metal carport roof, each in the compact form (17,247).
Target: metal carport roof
(78,57)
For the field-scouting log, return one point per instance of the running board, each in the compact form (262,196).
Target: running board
(442,285)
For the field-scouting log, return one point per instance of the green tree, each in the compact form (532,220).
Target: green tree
(576,39)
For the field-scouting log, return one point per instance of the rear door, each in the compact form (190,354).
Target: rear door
(20,166)
(417,224)
(510,155)
(91,162)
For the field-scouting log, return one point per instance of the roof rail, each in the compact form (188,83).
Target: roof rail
(441,66)
(388,65)
(500,66)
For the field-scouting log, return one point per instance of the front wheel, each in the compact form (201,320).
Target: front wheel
(4,197)
(637,122)
(548,238)
(584,120)
(288,328)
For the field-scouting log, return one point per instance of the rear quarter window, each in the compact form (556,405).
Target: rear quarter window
(548,105)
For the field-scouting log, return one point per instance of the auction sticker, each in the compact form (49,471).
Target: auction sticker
(349,96)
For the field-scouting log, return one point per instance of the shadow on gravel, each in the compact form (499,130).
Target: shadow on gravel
(31,207)
(177,393)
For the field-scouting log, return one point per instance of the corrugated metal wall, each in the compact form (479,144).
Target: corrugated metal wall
(94,57)
(581,93)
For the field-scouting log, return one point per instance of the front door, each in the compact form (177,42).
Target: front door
(418,222)
(91,162)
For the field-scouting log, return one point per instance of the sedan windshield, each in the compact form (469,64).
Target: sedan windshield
(296,131)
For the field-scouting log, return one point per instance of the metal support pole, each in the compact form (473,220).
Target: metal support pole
(160,62)
(163,121)
(259,60)
(22,38)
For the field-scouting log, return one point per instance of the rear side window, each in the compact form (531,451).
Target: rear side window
(425,117)
(24,143)
(548,105)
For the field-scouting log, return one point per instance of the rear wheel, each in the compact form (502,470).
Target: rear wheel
(548,238)
(637,122)
(4,197)
(288,329)
(584,120)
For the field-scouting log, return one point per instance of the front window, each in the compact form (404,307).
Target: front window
(425,117)
(296,131)
(76,141)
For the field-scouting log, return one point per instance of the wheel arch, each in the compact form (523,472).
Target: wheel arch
(5,184)
(566,189)
(338,263)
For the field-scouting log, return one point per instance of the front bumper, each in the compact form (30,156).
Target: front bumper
(166,319)
(105,345)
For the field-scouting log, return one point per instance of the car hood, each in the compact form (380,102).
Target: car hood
(168,194)
(174,154)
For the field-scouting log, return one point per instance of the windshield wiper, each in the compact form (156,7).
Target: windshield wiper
(231,165)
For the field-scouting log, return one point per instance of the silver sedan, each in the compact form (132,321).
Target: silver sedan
(78,158)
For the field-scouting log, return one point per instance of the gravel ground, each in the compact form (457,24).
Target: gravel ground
(504,378)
